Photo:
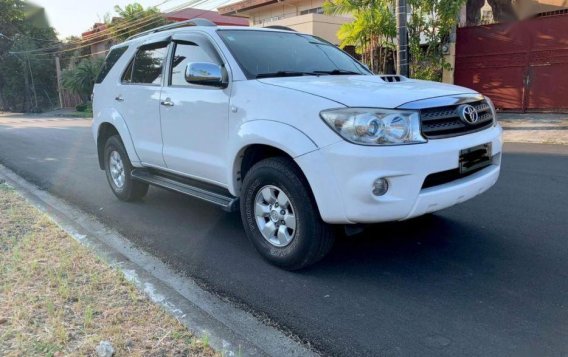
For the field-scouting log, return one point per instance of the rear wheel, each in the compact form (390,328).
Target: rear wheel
(118,169)
(281,217)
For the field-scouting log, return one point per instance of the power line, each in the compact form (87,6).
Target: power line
(142,19)
(147,20)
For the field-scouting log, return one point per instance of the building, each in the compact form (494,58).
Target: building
(98,39)
(301,15)
(213,16)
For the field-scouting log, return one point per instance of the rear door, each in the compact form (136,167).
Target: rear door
(139,100)
(194,117)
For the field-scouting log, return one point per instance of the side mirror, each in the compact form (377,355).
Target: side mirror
(206,74)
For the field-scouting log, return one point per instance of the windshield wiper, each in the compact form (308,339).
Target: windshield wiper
(336,72)
(286,74)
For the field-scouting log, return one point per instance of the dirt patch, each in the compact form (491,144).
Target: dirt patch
(58,299)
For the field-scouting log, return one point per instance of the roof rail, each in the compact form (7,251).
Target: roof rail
(175,25)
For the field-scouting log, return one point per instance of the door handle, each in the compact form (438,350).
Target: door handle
(119,98)
(168,102)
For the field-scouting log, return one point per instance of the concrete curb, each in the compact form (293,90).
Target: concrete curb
(230,330)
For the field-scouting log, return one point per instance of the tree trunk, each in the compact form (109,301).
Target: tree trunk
(502,10)
(473,12)
(26,104)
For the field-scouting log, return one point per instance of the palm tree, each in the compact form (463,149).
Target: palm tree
(81,79)
(372,31)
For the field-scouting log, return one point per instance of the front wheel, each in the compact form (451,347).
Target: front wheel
(281,217)
(118,169)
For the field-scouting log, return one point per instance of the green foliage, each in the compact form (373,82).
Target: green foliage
(27,79)
(84,108)
(81,78)
(134,19)
(372,31)
(429,27)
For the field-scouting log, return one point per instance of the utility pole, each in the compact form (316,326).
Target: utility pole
(58,74)
(402,37)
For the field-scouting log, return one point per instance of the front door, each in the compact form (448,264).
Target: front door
(194,117)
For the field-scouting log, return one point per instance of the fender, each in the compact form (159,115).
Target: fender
(279,135)
(111,116)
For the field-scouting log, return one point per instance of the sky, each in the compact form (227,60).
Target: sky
(73,17)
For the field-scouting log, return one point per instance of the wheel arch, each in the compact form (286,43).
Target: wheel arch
(258,140)
(106,130)
(112,123)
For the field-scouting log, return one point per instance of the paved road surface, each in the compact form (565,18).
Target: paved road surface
(488,277)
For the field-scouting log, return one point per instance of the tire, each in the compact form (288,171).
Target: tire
(311,238)
(125,188)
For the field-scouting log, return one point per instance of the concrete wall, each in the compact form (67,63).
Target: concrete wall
(287,13)
(281,10)
(323,26)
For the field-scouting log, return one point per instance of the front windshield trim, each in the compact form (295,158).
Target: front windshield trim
(318,41)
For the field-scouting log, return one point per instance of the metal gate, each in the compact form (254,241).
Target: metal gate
(522,66)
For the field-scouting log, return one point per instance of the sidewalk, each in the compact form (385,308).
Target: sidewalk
(548,128)
(57,113)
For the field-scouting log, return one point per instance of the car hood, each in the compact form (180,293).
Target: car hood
(367,91)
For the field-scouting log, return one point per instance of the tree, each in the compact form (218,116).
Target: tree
(429,28)
(502,11)
(372,30)
(134,19)
(27,79)
(81,79)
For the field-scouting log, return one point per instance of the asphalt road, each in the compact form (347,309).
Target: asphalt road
(488,277)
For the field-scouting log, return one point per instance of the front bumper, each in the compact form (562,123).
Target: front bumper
(341,177)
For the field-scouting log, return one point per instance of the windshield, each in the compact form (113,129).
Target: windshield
(263,54)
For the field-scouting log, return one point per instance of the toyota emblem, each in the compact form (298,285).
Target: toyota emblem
(468,114)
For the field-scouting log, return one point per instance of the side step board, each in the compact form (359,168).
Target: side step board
(226,202)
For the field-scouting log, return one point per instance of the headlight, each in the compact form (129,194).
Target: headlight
(375,126)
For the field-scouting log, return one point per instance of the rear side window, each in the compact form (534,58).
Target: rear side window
(110,60)
(147,65)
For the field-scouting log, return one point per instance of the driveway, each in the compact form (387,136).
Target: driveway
(488,277)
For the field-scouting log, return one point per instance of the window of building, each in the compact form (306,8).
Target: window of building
(315,10)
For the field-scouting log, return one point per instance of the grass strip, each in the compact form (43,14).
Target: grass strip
(58,299)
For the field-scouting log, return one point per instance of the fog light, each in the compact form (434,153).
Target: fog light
(380,186)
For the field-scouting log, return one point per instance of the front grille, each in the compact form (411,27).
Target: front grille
(444,122)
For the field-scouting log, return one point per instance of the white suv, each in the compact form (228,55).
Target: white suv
(289,129)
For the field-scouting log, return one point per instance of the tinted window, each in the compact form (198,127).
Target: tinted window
(146,67)
(185,53)
(264,52)
(110,60)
